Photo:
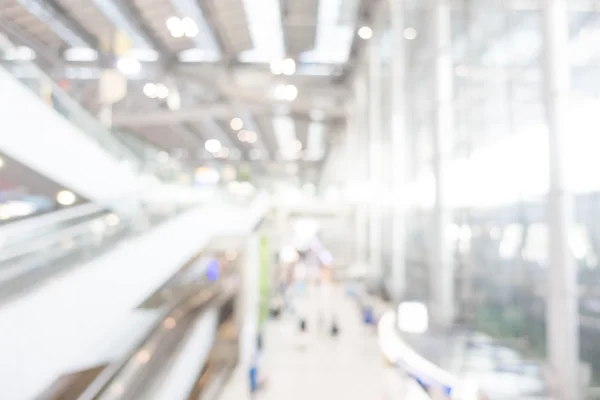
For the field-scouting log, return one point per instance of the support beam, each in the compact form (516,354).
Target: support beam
(357,129)
(213,110)
(562,311)
(375,134)
(441,266)
(399,141)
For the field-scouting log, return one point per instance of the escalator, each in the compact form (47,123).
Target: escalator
(187,353)
(37,248)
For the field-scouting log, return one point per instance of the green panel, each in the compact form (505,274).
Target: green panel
(264,279)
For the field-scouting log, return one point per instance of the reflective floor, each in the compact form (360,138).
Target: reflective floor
(319,366)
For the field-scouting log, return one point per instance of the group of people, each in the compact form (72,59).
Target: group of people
(305,291)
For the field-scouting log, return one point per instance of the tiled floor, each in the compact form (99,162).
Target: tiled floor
(318,366)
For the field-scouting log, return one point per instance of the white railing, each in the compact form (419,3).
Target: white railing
(440,383)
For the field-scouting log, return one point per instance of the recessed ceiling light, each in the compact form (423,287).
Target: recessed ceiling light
(410,33)
(173,23)
(365,32)
(288,66)
(236,124)
(66,198)
(150,90)
(212,145)
(162,92)
(129,66)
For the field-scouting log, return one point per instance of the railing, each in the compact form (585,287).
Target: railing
(30,261)
(40,247)
(439,383)
(123,375)
(49,92)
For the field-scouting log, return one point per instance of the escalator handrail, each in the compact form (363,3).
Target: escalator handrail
(178,308)
(31,224)
(45,241)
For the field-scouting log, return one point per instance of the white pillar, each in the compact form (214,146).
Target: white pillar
(399,142)
(562,314)
(248,302)
(375,135)
(442,268)
(360,165)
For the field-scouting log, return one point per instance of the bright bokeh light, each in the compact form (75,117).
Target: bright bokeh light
(150,90)
(413,317)
(288,66)
(365,32)
(236,124)
(66,198)
(410,33)
(112,220)
(129,66)
(283,67)
(182,27)
(162,92)
(212,146)
(1,162)
(306,229)
(285,92)
(14,209)
(189,27)
(288,254)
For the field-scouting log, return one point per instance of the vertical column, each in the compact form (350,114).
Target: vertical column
(442,273)
(375,136)
(248,302)
(562,316)
(398,112)
(360,165)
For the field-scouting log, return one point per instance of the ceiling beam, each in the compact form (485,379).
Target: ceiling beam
(215,110)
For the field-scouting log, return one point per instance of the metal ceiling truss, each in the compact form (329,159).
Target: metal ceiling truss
(229,19)
(299,25)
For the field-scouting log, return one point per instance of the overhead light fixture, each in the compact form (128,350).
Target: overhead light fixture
(173,23)
(129,66)
(288,66)
(21,53)
(365,33)
(189,27)
(283,67)
(162,92)
(285,92)
(212,146)
(247,136)
(410,34)
(276,67)
(66,198)
(150,90)
(236,124)
(180,27)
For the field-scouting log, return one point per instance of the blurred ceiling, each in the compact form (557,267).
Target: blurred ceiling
(279,65)
(195,65)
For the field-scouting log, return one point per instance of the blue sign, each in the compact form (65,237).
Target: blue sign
(212,270)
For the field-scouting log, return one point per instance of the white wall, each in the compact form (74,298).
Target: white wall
(34,134)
